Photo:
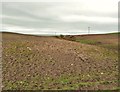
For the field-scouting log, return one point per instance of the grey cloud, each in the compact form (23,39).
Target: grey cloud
(45,15)
(44,23)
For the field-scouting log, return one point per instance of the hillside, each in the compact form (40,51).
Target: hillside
(109,41)
(38,62)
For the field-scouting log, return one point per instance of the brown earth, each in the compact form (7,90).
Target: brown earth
(0,62)
(37,62)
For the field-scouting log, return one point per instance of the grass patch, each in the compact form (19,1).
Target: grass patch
(92,42)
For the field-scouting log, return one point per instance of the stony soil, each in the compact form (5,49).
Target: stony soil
(31,62)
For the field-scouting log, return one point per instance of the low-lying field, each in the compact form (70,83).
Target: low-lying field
(109,41)
(77,62)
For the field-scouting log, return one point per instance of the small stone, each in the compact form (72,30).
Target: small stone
(2,86)
(88,75)
(21,82)
(72,64)
(101,72)
(29,48)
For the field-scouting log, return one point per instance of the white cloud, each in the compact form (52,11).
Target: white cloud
(77,18)
(13,28)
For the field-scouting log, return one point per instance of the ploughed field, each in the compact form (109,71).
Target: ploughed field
(62,63)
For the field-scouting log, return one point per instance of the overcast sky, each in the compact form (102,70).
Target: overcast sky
(60,17)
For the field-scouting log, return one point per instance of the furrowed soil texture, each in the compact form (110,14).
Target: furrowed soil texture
(38,62)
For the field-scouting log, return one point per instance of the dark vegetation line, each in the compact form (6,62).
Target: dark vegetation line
(59,35)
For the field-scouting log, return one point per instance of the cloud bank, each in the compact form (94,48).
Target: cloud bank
(60,17)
